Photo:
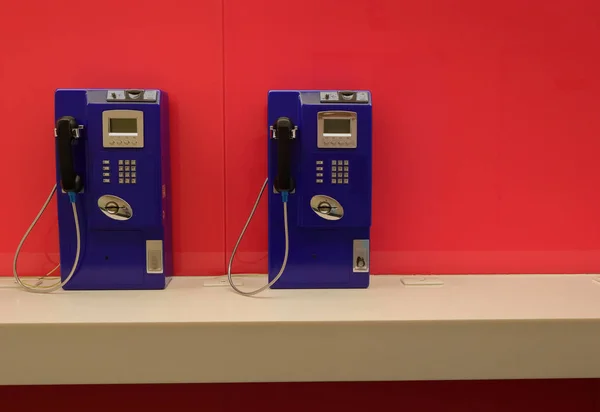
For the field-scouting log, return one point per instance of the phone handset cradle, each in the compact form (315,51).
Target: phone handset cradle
(284,131)
(66,131)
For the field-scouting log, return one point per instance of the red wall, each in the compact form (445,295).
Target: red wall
(486,119)
(113,43)
(492,396)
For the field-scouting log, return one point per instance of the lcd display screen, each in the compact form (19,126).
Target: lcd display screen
(123,126)
(336,126)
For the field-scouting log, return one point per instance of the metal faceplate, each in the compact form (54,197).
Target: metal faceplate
(337,140)
(344,96)
(123,140)
(326,207)
(360,255)
(132,95)
(115,208)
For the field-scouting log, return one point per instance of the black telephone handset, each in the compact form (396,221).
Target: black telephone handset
(67,130)
(284,132)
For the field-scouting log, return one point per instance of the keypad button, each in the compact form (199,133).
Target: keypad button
(319,180)
(106,162)
(107,174)
(334,181)
(319,174)
(127,168)
(319,162)
(133,162)
(133,168)
(126,162)
(319,168)
(334,162)
(346,168)
(334,168)
(121,180)
(346,162)
(132,180)
(105,167)
(120,162)
(132,174)
(346,181)
(105,180)
(120,168)
(333,174)
(126,174)
(346,174)
(120,174)
(126,181)
(340,162)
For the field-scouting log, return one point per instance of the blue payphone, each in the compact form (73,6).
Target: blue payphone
(112,157)
(319,189)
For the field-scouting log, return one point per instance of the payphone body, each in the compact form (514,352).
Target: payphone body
(329,205)
(121,158)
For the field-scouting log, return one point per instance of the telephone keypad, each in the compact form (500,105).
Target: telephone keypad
(340,168)
(127,173)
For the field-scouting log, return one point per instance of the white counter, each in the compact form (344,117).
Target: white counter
(471,327)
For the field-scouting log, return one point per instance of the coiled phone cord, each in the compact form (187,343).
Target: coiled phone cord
(37,288)
(284,196)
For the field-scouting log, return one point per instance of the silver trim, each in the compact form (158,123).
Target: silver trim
(114,207)
(326,207)
(154,256)
(76,133)
(113,140)
(274,135)
(337,140)
(360,255)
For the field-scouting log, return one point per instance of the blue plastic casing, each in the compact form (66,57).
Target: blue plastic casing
(323,253)
(114,252)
